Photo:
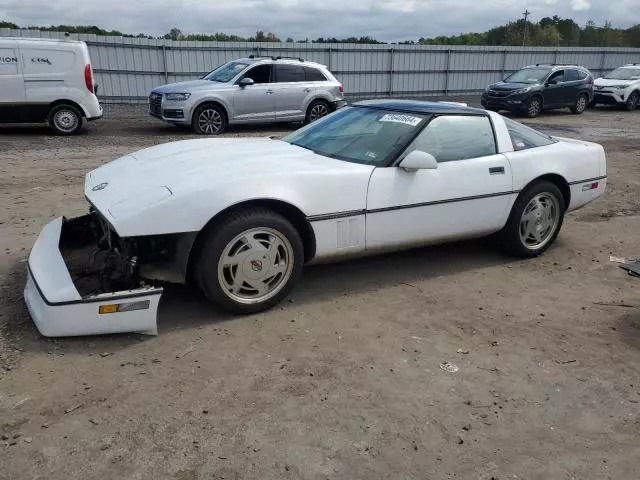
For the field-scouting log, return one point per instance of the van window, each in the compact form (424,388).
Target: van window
(8,61)
(47,61)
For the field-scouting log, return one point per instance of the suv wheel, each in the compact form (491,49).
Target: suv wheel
(317,109)
(632,101)
(209,119)
(581,104)
(534,107)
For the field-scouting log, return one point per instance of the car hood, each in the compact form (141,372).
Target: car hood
(608,82)
(212,168)
(505,87)
(190,86)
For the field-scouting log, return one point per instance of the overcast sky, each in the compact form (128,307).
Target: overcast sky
(388,20)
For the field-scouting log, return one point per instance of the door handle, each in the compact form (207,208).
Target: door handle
(496,170)
(269,92)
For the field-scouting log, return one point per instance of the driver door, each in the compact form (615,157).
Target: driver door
(556,90)
(255,102)
(468,194)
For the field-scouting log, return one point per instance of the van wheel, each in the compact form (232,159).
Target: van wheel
(581,104)
(66,120)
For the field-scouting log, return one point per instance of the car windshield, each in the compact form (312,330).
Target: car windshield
(226,72)
(624,73)
(528,75)
(364,135)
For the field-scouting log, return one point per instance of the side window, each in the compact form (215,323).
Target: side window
(259,74)
(8,61)
(557,77)
(289,73)
(573,75)
(456,137)
(313,75)
(523,137)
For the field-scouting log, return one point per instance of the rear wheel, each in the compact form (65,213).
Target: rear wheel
(632,101)
(535,220)
(66,120)
(534,107)
(250,261)
(581,104)
(317,109)
(209,119)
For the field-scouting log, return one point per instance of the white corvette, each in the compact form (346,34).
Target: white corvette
(239,217)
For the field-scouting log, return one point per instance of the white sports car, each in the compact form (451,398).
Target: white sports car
(239,217)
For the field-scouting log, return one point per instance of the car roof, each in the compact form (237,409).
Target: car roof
(419,106)
(288,61)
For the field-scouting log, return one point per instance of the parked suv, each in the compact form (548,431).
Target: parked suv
(541,87)
(249,90)
(619,87)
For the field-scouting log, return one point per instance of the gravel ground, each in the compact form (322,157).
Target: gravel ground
(343,380)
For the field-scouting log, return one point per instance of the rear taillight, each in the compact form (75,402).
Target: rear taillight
(341,89)
(88,77)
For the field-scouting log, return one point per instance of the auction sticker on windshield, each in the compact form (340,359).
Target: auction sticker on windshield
(396,118)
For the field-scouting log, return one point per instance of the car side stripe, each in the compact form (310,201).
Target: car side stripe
(353,213)
(588,180)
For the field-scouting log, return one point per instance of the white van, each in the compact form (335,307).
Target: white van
(44,80)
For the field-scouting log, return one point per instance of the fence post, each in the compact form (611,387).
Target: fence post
(391,50)
(258,50)
(504,64)
(555,57)
(164,63)
(329,62)
(603,61)
(446,73)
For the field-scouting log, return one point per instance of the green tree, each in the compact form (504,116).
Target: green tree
(174,34)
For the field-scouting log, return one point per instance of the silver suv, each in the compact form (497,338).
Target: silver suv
(249,90)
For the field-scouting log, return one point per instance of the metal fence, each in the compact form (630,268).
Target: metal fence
(126,69)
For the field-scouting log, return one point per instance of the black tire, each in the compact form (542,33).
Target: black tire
(511,237)
(216,116)
(534,106)
(222,239)
(66,119)
(317,109)
(581,104)
(632,101)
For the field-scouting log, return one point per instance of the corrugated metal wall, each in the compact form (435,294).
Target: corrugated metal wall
(128,68)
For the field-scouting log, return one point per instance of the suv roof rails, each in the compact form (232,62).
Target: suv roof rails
(300,59)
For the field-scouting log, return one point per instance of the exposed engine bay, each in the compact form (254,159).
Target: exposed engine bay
(100,261)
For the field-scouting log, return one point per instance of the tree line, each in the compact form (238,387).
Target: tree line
(549,31)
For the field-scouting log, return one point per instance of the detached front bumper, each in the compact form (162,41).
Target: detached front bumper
(59,310)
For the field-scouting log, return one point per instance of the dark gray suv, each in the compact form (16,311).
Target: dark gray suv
(540,87)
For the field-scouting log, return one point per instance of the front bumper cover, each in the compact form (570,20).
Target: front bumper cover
(59,310)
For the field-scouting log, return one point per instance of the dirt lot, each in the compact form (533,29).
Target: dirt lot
(343,381)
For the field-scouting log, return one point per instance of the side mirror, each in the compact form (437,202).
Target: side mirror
(246,81)
(419,160)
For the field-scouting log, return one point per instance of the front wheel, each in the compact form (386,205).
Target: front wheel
(534,107)
(66,120)
(581,104)
(250,261)
(632,101)
(209,119)
(535,220)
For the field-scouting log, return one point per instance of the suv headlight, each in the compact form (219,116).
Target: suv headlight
(521,90)
(177,97)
